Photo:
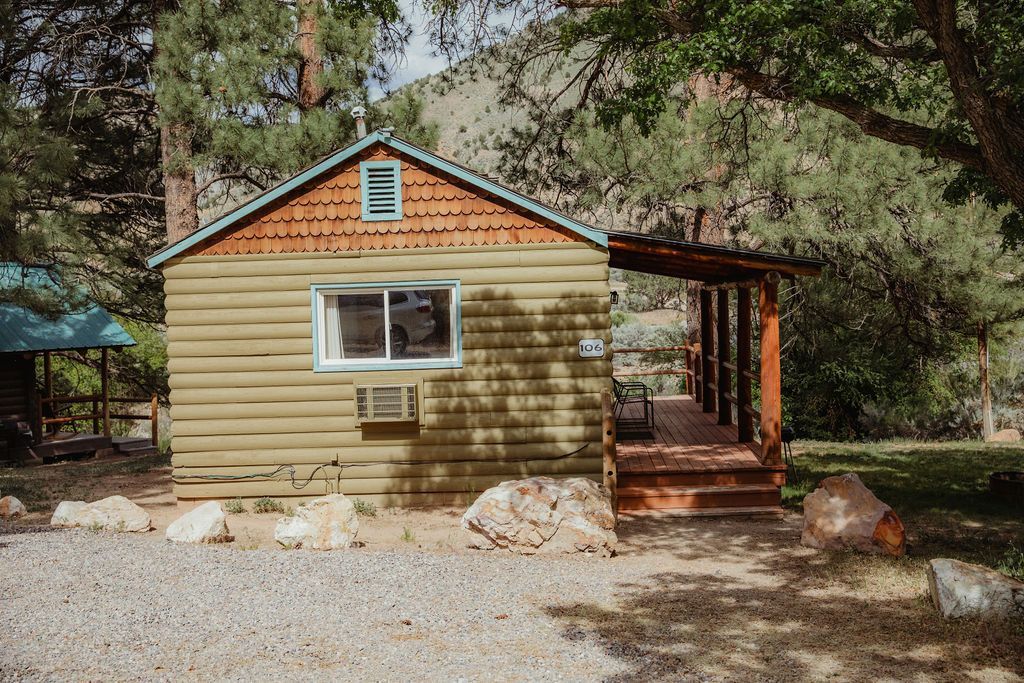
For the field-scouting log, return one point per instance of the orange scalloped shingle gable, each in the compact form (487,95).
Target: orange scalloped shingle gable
(438,210)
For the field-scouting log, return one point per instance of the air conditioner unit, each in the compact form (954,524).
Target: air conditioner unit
(385,403)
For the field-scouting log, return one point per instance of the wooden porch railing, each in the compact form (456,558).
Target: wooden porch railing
(100,413)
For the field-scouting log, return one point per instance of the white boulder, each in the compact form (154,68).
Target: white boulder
(11,507)
(115,513)
(66,512)
(326,523)
(543,515)
(959,589)
(843,513)
(204,524)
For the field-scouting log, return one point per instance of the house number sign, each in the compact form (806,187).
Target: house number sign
(591,348)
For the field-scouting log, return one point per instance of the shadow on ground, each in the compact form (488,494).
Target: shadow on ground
(741,600)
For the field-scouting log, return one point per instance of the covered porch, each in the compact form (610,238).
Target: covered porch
(716,449)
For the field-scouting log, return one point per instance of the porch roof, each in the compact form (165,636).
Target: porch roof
(703,262)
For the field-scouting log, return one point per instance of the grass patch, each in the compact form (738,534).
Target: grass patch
(265,505)
(939,490)
(407,535)
(41,488)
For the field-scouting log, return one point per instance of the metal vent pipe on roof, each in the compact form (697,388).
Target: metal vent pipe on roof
(359,114)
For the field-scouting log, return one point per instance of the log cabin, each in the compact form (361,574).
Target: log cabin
(37,423)
(394,326)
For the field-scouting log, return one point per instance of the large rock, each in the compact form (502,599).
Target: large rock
(66,513)
(205,524)
(115,513)
(11,507)
(960,589)
(326,523)
(1004,436)
(843,513)
(543,515)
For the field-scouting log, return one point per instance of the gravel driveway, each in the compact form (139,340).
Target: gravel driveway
(101,606)
(685,600)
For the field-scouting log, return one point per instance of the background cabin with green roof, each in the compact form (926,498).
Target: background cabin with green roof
(35,423)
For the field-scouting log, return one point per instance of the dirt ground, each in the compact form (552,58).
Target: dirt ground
(734,599)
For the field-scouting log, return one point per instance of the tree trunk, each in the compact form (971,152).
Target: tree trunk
(180,211)
(987,428)
(311,92)
(180,197)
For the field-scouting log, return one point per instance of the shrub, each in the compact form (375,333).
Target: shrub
(263,505)
(1012,563)
(364,508)
(235,507)
(407,535)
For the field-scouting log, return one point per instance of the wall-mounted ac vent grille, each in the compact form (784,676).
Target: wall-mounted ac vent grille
(386,403)
(381,190)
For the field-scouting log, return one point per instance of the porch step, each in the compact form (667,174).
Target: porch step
(776,476)
(126,445)
(772,511)
(76,444)
(633,498)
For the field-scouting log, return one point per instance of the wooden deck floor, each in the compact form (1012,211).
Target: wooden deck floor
(685,439)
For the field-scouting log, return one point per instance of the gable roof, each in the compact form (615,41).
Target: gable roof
(22,329)
(334,160)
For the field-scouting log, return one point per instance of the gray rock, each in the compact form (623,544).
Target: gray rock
(843,513)
(326,523)
(115,513)
(541,514)
(66,512)
(204,524)
(959,589)
(11,507)
(1005,436)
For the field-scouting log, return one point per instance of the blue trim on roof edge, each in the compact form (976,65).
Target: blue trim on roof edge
(333,160)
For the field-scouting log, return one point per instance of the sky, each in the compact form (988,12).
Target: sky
(419,61)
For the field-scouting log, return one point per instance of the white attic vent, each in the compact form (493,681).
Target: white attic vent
(381,185)
(385,403)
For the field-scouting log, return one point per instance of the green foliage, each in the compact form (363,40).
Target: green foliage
(646,292)
(872,60)
(620,318)
(882,343)
(228,71)
(407,535)
(404,113)
(235,507)
(266,505)
(1012,563)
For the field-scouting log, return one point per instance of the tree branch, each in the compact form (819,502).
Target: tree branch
(123,195)
(236,175)
(872,122)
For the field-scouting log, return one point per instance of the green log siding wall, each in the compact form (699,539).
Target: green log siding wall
(245,398)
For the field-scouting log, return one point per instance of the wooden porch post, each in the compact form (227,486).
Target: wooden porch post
(707,345)
(724,353)
(744,397)
(47,388)
(698,374)
(611,472)
(105,388)
(771,372)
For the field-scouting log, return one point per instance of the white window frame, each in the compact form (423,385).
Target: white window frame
(321,363)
